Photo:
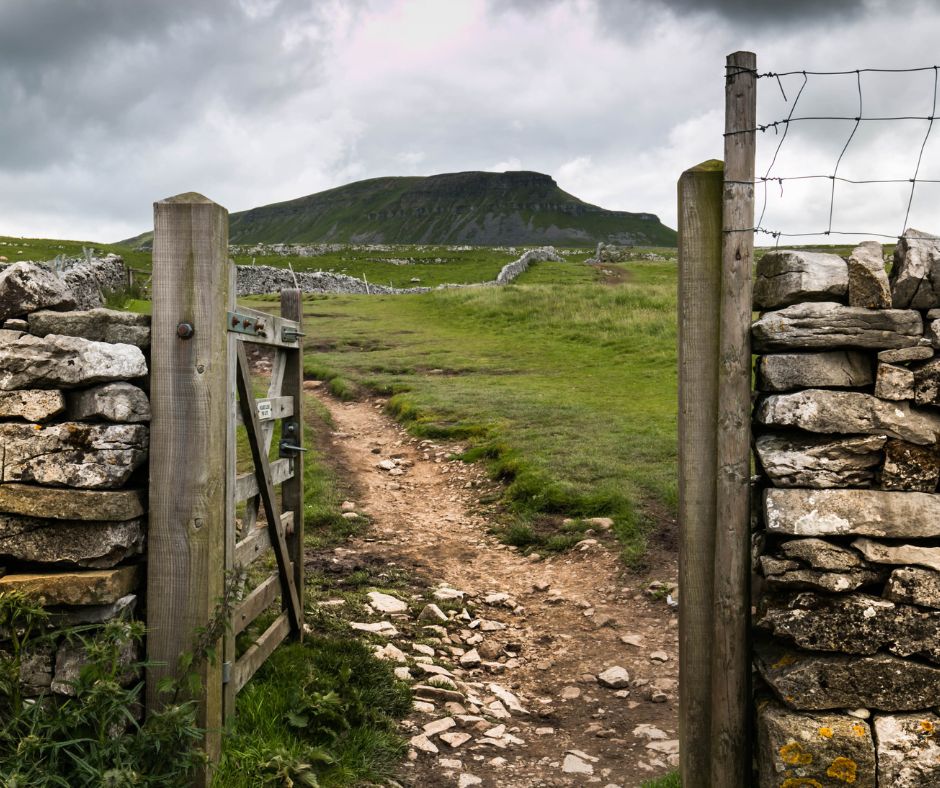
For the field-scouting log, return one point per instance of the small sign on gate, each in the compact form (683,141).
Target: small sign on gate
(265,410)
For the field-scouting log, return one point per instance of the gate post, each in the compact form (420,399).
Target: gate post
(699,297)
(731,767)
(185,572)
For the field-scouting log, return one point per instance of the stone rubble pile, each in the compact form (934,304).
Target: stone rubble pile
(84,278)
(74,440)
(847,558)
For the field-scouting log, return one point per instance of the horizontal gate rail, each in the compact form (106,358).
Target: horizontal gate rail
(260,650)
(246,484)
(258,541)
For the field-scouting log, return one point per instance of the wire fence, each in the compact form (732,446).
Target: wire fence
(838,181)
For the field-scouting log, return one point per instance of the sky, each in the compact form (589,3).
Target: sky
(109,105)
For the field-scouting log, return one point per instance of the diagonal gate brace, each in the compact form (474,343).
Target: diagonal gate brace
(246,402)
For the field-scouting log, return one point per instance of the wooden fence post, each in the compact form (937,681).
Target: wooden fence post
(292,491)
(700,190)
(731,766)
(185,564)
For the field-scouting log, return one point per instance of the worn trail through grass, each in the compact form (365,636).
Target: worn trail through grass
(541,629)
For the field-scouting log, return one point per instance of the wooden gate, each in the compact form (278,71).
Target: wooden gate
(209,524)
(246,538)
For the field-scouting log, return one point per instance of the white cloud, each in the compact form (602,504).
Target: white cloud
(108,105)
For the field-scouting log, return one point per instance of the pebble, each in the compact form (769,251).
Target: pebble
(455,739)
(423,743)
(632,640)
(471,659)
(423,649)
(386,603)
(423,706)
(350,516)
(439,726)
(450,763)
(467,780)
(659,656)
(432,613)
(570,693)
(575,765)
(615,677)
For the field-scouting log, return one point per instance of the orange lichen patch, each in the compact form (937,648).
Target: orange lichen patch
(859,730)
(928,727)
(801,782)
(843,769)
(794,754)
(786,659)
(825,732)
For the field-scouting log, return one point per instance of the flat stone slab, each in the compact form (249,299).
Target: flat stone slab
(816,461)
(914,586)
(65,504)
(88,544)
(95,587)
(100,325)
(815,681)
(66,362)
(787,277)
(31,404)
(908,750)
(848,412)
(118,402)
(878,553)
(827,326)
(854,624)
(821,554)
(72,454)
(792,576)
(915,276)
(25,287)
(905,354)
(801,749)
(807,512)
(833,369)
(894,382)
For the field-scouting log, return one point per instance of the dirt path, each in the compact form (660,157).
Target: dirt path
(535,635)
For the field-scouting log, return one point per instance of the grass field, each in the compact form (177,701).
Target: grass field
(564,384)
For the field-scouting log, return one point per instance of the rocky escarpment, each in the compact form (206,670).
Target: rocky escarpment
(481,208)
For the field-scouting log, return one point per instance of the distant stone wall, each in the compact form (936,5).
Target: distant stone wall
(259,279)
(847,552)
(74,441)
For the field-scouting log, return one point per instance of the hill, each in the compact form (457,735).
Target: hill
(480,208)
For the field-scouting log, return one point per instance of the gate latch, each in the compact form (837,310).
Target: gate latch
(287,447)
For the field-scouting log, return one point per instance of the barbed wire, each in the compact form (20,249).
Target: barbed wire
(857,120)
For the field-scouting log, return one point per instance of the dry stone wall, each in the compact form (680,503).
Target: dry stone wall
(847,545)
(74,440)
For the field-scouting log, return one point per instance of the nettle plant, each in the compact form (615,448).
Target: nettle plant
(95,736)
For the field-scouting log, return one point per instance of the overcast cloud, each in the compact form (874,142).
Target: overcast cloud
(108,105)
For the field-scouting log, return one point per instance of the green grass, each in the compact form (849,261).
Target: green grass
(669,781)
(41,249)
(566,389)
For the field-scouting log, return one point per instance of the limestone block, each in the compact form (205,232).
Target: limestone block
(806,512)
(910,467)
(914,586)
(787,277)
(853,624)
(16,324)
(813,681)
(908,750)
(71,657)
(813,749)
(915,276)
(9,335)
(86,544)
(829,325)
(65,362)
(927,383)
(94,614)
(31,404)
(64,504)
(849,412)
(833,369)
(868,280)
(816,461)
(72,454)
(120,402)
(821,554)
(879,553)
(791,576)
(932,332)
(894,382)
(95,587)
(100,325)
(25,287)
(903,354)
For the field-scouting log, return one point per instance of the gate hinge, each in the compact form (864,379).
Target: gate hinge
(289,334)
(246,324)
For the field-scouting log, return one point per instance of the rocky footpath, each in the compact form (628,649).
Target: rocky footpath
(847,554)
(538,670)
(74,442)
